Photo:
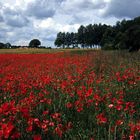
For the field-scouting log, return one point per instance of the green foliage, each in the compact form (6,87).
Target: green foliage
(133,38)
(124,35)
(108,46)
(5,46)
(35,43)
(2,45)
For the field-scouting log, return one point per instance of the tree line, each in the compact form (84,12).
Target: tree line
(34,43)
(124,35)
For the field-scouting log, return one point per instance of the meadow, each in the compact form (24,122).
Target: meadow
(70,95)
(28,51)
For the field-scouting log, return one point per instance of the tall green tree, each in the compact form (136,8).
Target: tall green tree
(2,45)
(82,36)
(35,43)
(124,35)
(8,45)
(133,38)
(59,40)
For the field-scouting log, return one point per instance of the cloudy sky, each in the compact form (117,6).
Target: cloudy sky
(23,20)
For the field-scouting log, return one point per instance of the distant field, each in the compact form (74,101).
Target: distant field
(28,51)
(35,51)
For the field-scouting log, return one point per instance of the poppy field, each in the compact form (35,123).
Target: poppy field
(86,95)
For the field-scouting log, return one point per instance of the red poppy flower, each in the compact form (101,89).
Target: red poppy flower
(101,118)
(36,137)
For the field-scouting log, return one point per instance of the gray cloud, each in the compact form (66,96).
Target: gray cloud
(82,5)
(4,32)
(123,8)
(16,21)
(14,17)
(2,35)
(1,18)
(51,37)
(41,9)
(79,18)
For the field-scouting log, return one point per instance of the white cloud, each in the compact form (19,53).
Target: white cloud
(51,24)
(47,23)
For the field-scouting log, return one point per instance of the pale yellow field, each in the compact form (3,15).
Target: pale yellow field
(34,51)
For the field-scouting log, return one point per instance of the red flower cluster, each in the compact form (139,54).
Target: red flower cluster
(60,94)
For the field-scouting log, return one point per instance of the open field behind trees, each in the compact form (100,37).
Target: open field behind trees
(74,95)
(28,51)
(38,50)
